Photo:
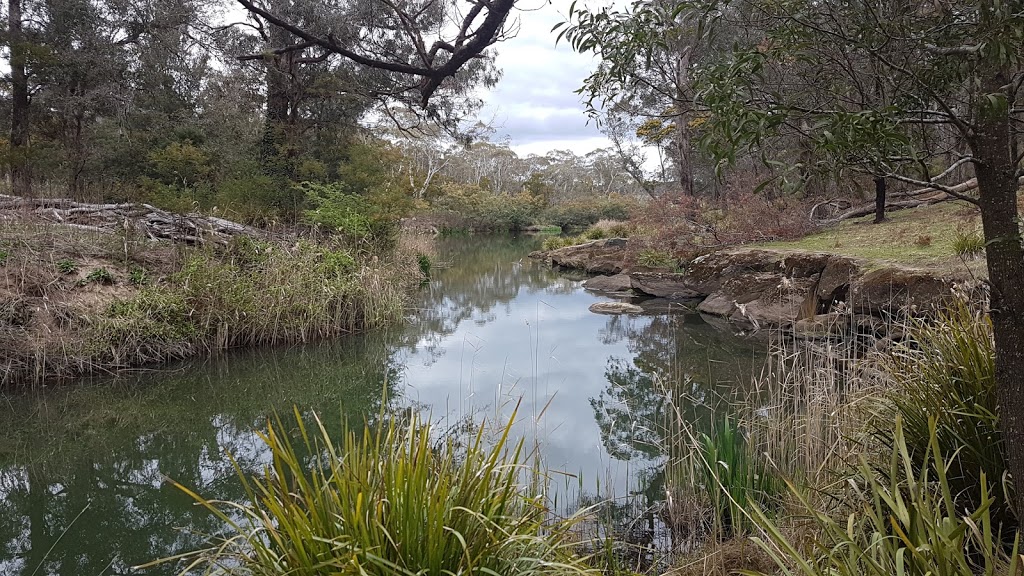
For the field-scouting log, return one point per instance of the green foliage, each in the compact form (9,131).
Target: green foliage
(100,276)
(336,264)
(424,262)
(179,163)
(945,392)
(478,209)
(556,242)
(257,198)
(904,521)
(250,296)
(392,500)
(4,255)
(734,477)
(583,213)
(969,243)
(351,216)
(595,233)
(67,266)
(138,276)
(652,258)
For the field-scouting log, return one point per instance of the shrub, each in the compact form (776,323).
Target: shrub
(386,501)
(583,213)
(556,242)
(4,255)
(471,207)
(968,243)
(351,216)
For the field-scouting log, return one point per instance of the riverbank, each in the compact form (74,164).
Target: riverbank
(78,299)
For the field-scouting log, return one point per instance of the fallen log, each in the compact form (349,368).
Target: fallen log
(154,223)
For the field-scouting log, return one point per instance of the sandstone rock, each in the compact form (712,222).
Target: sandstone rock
(596,257)
(897,291)
(665,285)
(617,283)
(717,305)
(615,308)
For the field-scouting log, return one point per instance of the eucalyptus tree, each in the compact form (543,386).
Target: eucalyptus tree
(897,86)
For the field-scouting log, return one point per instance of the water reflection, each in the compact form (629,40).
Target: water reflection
(83,468)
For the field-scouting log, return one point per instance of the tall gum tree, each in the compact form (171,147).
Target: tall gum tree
(953,70)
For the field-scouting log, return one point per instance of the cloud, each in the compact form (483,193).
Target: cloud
(535,104)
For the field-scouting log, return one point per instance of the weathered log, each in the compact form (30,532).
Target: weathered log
(155,223)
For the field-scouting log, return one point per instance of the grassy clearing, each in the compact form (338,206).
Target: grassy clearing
(922,237)
(78,301)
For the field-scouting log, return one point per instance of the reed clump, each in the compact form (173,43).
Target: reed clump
(889,458)
(391,499)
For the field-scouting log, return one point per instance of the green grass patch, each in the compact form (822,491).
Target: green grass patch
(917,237)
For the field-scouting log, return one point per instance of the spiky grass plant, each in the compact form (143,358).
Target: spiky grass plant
(392,500)
(945,373)
(905,520)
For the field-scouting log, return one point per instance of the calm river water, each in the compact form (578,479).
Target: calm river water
(83,468)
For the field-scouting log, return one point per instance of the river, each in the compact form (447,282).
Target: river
(83,467)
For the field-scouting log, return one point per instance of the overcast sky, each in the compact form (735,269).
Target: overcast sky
(534,104)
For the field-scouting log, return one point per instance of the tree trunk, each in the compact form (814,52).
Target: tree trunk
(879,200)
(276,146)
(997,191)
(683,164)
(21,167)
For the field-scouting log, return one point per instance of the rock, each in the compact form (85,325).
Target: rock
(616,283)
(832,325)
(663,306)
(718,305)
(769,309)
(615,308)
(674,286)
(898,291)
(596,257)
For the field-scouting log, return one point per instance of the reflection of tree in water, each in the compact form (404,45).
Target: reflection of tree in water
(682,368)
(483,273)
(103,451)
(629,413)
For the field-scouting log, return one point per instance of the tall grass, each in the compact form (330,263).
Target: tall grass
(902,521)
(391,500)
(160,301)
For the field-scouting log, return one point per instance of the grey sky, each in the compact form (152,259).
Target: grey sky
(534,105)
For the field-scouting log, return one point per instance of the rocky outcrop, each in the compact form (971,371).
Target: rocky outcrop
(815,295)
(620,283)
(597,257)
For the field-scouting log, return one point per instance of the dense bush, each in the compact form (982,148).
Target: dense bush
(471,207)
(583,213)
(353,217)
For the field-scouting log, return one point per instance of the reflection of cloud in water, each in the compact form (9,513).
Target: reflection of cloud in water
(494,329)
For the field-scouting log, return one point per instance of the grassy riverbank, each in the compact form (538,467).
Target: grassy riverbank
(78,301)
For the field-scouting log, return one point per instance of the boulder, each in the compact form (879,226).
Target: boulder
(615,308)
(665,285)
(597,257)
(899,291)
(717,305)
(616,283)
